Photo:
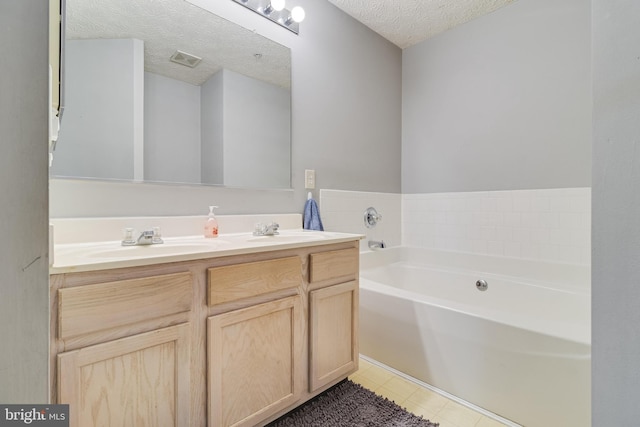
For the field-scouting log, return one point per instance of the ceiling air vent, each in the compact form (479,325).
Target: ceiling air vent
(185,59)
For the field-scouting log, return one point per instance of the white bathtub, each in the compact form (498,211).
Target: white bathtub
(521,349)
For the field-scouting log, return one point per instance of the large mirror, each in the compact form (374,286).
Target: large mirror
(164,91)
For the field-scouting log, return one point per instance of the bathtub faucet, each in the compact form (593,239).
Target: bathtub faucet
(373,244)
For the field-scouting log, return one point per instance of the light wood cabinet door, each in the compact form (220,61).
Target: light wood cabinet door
(141,380)
(254,362)
(333,343)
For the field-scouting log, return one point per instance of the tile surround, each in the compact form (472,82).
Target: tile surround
(547,224)
(344,210)
(550,225)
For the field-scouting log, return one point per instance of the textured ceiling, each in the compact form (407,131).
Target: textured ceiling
(169,25)
(407,22)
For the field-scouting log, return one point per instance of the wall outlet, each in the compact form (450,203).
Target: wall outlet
(309,179)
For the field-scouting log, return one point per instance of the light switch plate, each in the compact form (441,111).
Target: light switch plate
(309,179)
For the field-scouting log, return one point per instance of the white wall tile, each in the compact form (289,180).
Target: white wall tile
(546,224)
(495,247)
(522,234)
(479,246)
(512,249)
(343,211)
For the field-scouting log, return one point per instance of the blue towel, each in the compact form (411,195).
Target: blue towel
(311,217)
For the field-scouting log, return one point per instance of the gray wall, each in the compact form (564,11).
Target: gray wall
(251,139)
(99,134)
(171,130)
(257,133)
(616,213)
(502,102)
(212,125)
(24,294)
(346,90)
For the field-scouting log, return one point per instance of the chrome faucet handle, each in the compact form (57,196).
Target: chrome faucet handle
(259,229)
(272,228)
(127,237)
(371,217)
(157,236)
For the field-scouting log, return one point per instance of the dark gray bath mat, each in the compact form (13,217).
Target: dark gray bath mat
(350,405)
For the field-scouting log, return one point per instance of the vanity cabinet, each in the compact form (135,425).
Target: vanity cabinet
(236,340)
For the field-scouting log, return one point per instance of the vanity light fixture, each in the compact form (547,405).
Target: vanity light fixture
(275,11)
(297,15)
(276,5)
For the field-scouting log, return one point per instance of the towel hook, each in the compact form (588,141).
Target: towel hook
(371,217)
(309,195)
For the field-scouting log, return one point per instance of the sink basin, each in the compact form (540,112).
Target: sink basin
(153,250)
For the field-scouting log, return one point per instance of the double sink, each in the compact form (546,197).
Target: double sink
(84,256)
(180,245)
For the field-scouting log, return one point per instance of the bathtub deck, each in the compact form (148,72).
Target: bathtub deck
(419,400)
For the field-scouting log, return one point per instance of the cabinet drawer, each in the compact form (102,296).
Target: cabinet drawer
(235,282)
(334,264)
(92,308)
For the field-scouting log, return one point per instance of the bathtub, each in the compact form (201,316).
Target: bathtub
(520,348)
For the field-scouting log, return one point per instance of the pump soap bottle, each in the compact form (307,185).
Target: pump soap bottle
(211,226)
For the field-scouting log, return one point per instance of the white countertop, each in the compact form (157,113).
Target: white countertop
(76,257)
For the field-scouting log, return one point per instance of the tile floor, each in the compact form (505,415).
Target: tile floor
(419,400)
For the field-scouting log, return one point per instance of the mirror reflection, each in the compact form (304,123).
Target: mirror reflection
(164,91)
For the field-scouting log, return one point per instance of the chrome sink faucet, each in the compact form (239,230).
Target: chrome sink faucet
(147,237)
(266,229)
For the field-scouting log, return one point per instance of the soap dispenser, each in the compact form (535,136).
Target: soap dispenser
(211,226)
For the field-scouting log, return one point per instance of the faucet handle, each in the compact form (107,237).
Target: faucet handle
(371,217)
(127,237)
(157,235)
(273,228)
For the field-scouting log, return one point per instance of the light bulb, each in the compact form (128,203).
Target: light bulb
(277,4)
(297,14)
